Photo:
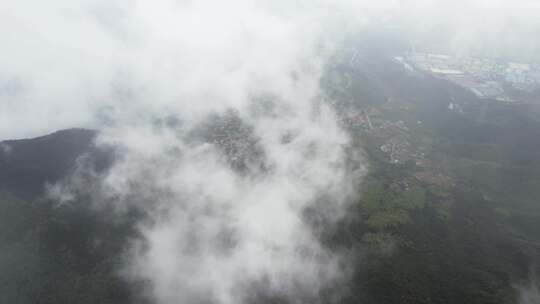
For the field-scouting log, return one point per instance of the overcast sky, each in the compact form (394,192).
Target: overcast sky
(64,63)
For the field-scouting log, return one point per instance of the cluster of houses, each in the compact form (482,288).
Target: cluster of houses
(484,77)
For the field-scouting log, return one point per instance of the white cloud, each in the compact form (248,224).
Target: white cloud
(69,59)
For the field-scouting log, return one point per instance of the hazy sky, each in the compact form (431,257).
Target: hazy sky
(66,62)
(118,66)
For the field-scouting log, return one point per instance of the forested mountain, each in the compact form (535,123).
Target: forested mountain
(27,165)
(448,211)
(53,253)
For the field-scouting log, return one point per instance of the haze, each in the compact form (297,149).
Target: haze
(159,80)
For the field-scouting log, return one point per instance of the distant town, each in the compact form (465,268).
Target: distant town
(486,78)
(388,120)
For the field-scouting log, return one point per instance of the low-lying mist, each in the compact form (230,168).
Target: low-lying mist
(223,139)
(223,136)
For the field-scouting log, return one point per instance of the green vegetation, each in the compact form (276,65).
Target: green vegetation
(463,225)
(387,208)
(59,254)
